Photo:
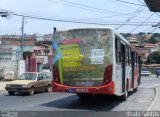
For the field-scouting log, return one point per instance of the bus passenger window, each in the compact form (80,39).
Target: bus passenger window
(129,56)
(126,55)
(136,59)
(118,50)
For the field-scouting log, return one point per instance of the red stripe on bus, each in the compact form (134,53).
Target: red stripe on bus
(105,89)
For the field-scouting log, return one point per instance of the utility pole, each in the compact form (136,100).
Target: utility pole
(22,38)
(21,63)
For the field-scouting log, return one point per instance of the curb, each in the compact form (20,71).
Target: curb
(156,95)
(2,92)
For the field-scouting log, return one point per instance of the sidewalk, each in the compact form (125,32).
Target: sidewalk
(2,86)
(155,106)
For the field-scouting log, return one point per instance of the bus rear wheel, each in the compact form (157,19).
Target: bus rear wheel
(84,96)
(125,95)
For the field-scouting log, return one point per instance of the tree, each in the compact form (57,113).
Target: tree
(141,33)
(156,35)
(125,35)
(152,40)
(154,58)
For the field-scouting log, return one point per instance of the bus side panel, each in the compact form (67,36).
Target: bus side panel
(136,76)
(128,76)
(118,81)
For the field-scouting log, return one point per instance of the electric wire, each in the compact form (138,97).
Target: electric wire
(129,2)
(93,8)
(137,12)
(142,23)
(121,4)
(142,3)
(70,21)
(147,30)
(154,29)
(82,6)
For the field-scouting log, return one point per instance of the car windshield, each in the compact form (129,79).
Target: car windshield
(28,76)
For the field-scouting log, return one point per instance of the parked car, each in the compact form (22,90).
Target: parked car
(29,82)
(158,73)
(146,73)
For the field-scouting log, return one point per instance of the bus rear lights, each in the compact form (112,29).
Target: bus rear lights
(107,75)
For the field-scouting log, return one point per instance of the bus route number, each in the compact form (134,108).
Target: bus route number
(82,90)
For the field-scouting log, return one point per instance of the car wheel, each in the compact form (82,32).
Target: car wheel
(31,91)
(11,92)
(49,88)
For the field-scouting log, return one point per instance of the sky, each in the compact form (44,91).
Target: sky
(126,16)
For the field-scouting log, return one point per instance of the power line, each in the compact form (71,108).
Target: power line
(142,23)
(121,4)
(82,6)
(129,2)
(70,21)
(147,29)
(154,29)
(55,17)
(93,8)
(142,3)
(138,11)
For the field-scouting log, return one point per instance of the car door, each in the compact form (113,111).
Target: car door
(40,82)
(46,80)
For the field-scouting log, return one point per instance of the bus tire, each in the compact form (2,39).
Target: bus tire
(125,95)
(84,96)
(135,89)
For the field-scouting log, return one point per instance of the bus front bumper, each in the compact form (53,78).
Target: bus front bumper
(105,89)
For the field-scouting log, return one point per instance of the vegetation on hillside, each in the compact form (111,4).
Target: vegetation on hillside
(154,58)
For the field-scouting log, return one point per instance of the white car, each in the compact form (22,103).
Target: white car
(146,73)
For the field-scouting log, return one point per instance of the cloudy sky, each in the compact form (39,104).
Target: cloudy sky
(129,16)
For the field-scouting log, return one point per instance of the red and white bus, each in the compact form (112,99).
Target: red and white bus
(92,61)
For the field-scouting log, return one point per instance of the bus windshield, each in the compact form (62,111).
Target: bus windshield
(85,55)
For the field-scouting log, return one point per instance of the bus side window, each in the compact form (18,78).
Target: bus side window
(136,59)
(129,56)
(118,50)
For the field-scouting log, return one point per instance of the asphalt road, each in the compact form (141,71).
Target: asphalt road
(139,101)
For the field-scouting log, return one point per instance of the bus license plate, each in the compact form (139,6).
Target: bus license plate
(82,90)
